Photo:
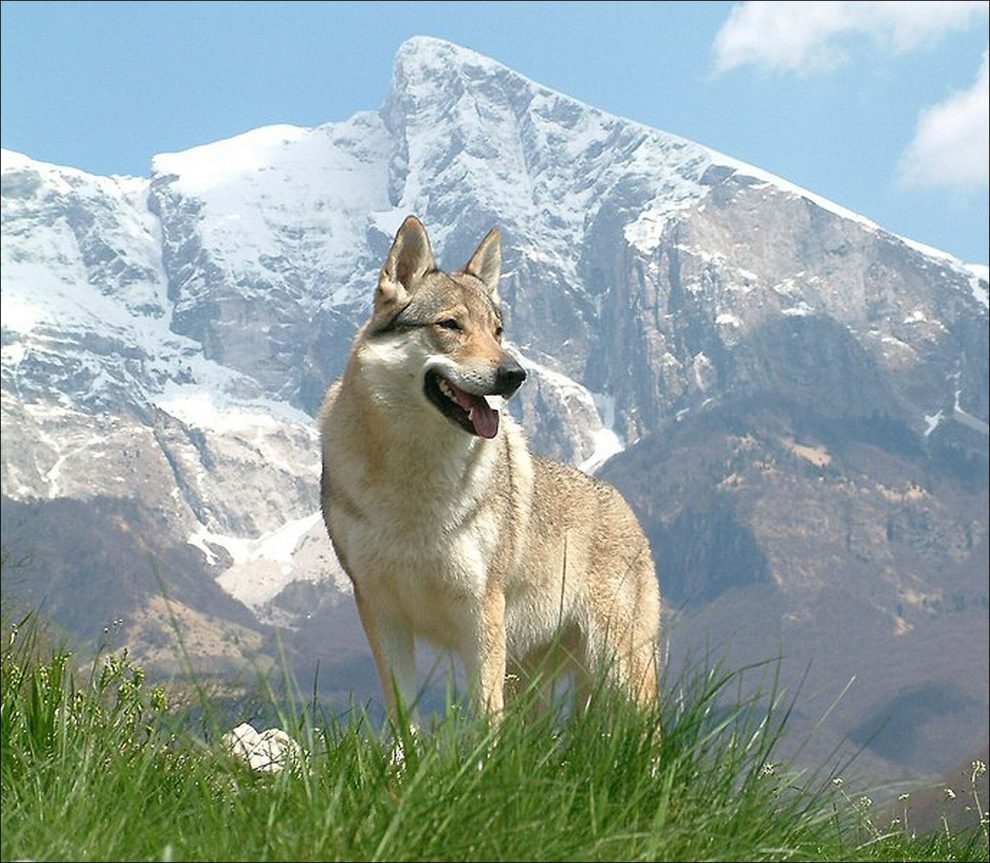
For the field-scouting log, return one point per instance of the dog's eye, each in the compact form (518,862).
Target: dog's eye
(450,324)
(498,332)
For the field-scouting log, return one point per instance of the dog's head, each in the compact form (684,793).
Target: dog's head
(443,331)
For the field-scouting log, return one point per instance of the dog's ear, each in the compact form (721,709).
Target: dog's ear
(486,263)
(408,259)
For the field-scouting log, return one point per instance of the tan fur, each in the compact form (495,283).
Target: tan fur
(510,561)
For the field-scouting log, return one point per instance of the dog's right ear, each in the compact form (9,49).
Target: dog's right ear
(408,259)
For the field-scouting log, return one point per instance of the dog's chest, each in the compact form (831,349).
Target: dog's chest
(430,578)
(414,545)
(418,529)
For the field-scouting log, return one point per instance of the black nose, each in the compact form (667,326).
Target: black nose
(509,376)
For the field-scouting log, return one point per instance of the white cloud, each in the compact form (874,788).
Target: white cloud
(806,37)
(951,146)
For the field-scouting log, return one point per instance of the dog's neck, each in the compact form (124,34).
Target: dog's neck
(435,454)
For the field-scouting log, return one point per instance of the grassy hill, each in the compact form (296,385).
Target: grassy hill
(98,766)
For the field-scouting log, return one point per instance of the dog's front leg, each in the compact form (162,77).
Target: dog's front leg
(484,657)
(393,647)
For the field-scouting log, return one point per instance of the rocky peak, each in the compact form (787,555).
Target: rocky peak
(802,396)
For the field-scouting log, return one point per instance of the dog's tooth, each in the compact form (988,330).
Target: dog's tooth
(445,388)
(496,403)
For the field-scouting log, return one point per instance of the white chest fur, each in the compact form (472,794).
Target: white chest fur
(418,534)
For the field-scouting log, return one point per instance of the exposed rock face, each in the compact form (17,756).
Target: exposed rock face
(802,396)
(843,547)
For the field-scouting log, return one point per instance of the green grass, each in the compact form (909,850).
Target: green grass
(100,768)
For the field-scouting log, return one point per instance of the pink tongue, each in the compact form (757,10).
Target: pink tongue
(483,418)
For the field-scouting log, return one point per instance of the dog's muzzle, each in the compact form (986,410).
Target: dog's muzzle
(472,411)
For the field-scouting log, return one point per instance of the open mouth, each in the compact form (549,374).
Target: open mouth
(472,413)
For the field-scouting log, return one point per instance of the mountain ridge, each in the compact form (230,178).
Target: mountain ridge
(746,356)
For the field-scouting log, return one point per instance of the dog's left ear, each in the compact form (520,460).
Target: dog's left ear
(486,263)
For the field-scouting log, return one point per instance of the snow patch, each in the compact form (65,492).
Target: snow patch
(677,193)
(287,193)
(932,422)
(974,273)
(277,545)
(606,441)
(800,310)
(209,408)
(262,567)
(20,315)
(978,282)
(202,168)
(967,419)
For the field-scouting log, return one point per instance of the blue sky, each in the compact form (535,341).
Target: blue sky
(881,107)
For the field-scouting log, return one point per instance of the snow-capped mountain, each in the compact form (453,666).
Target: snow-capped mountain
(754,352)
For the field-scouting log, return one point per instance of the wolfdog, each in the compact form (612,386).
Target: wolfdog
(449,528)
